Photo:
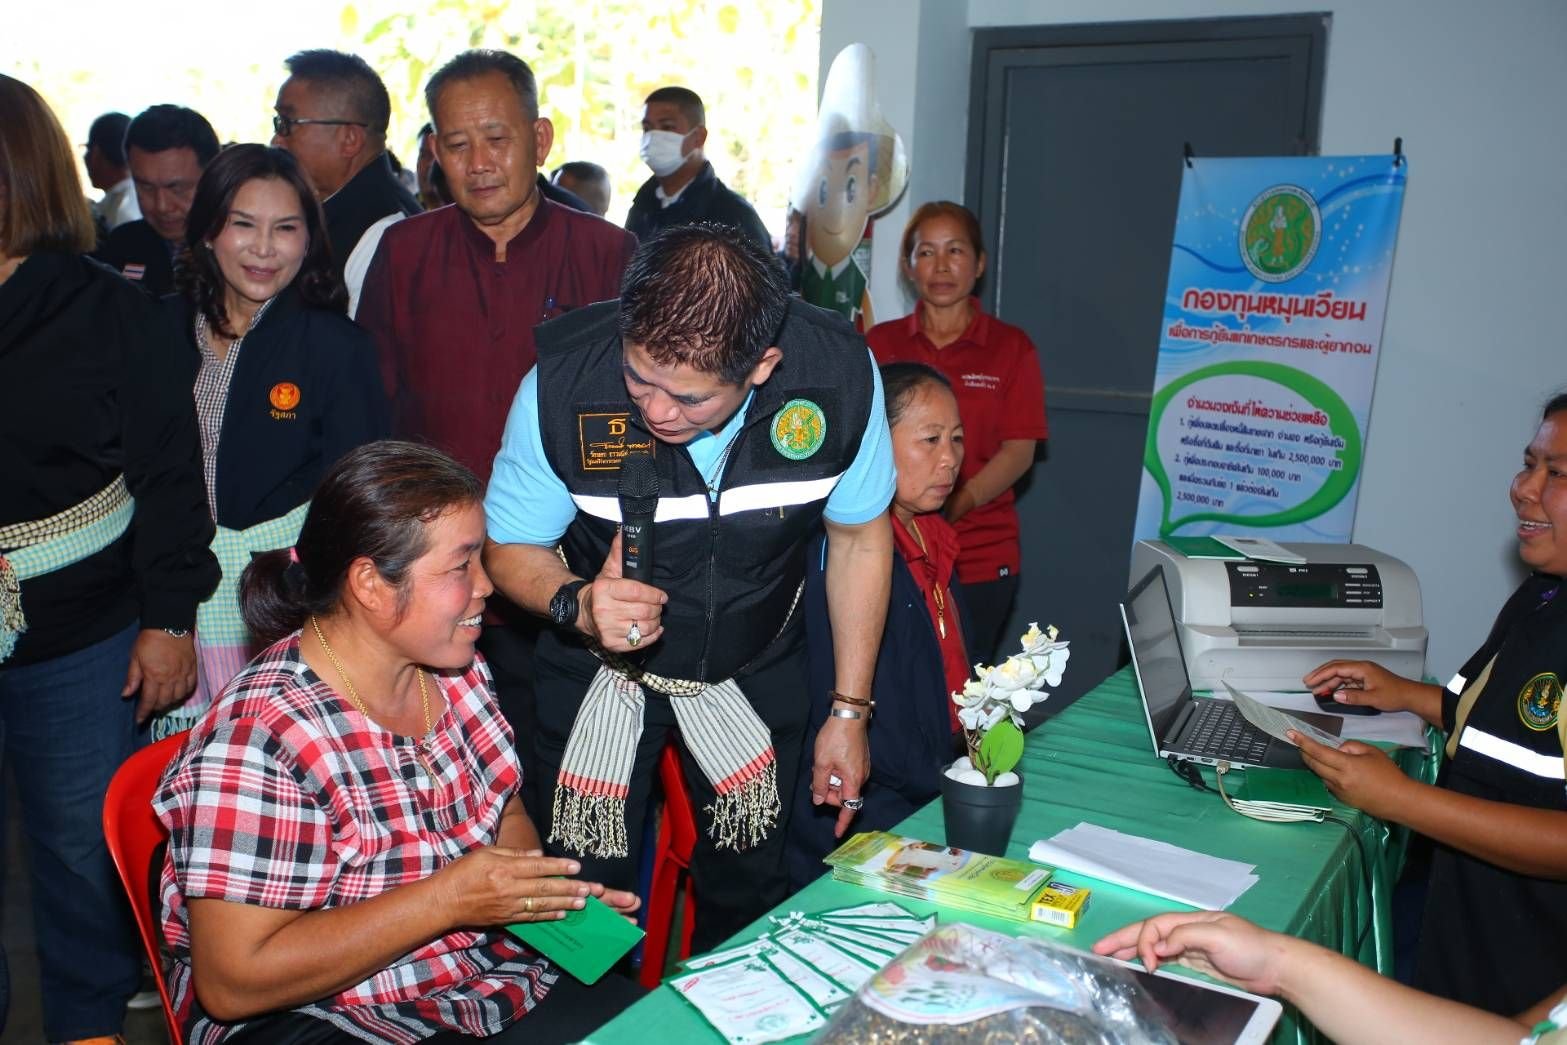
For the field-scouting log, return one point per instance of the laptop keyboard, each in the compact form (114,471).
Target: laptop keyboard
(1218,730)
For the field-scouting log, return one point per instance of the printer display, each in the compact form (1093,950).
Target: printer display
(1262,625)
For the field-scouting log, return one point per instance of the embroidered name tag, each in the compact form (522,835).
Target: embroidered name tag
(605,440)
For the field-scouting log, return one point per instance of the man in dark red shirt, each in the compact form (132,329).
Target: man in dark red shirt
(453,295)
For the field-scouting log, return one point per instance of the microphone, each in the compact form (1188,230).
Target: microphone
(638,504)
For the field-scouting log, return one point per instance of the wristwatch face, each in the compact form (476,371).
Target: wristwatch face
(563,607)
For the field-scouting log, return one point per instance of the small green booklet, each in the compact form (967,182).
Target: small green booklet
(585,943)
(1284,787)
(1202,548)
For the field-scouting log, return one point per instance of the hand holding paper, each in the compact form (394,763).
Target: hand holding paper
(1358,775)
(1276,723)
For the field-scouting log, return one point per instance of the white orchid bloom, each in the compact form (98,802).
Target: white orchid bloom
(1052,664)
(1024,699)
(1036,641)
(971,717)
(1017,673)
(972,693)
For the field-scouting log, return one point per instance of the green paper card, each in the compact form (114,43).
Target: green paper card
(585,943)
(1202,548)
(1299,787)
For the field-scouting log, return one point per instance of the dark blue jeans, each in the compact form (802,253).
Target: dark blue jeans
(63,732)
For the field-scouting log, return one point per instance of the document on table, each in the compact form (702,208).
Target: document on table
(789,980)
(1277,723)
(1146,865)
(1401,728)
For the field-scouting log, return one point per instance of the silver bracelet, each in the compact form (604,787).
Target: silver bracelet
(847,713)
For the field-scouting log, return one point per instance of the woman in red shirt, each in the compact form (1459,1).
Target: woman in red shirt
(994,371)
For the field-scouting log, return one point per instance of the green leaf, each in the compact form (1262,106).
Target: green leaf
(1001,750)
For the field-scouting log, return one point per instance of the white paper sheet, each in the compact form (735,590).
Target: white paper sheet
(1153,867)
(1278,723)
(1402,728)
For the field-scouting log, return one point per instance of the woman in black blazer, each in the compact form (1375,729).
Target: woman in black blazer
(284,382)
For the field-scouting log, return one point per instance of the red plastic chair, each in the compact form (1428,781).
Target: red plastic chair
(134,834)
(671,861)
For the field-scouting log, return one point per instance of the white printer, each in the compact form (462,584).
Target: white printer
(1262,625)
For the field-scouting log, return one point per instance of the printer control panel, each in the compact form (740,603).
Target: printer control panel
(1307,586)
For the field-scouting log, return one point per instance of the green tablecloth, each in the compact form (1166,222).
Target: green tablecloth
(1094,763)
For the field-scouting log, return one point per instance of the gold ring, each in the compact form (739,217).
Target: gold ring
(634,636)
(527,905)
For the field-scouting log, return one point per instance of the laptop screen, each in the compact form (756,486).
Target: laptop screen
(1156,651)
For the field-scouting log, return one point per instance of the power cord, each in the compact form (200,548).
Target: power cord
(1365,870)
(1189,773)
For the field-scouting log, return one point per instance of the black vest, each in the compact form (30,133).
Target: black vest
(731,567)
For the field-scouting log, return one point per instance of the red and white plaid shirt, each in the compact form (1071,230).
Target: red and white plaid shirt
(286,797)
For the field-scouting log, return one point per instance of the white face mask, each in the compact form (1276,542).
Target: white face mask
(663,151)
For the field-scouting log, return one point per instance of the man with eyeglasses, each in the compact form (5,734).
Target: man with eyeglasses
(166,148)
(332,113)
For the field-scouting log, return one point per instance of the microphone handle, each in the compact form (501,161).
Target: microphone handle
(636,547)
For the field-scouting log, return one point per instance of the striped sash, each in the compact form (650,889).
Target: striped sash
(44,545)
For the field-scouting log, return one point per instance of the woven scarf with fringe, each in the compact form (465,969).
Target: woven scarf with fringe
(731,744)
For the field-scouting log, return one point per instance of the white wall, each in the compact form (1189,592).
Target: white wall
(1472,346)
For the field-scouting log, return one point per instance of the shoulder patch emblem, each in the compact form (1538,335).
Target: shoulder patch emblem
(799,428)
(1540,701)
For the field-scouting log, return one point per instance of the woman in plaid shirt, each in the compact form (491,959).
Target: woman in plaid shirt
(345,832)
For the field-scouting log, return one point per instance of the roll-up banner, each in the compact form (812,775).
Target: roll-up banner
(1268,346)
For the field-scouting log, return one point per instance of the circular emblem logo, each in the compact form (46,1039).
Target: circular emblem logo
(799,429)
(1279,233)
(1540,701)
(284,395)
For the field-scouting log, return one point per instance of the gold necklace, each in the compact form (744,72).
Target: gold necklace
(424,694)
(935,589)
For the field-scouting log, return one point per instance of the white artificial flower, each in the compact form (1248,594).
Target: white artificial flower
(1017,673)
(1052,664)
(972,693)
(1023,700)
(1035,641)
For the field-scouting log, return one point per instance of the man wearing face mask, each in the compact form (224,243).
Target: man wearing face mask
(684,188)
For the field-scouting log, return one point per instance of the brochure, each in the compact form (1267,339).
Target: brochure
(975,882)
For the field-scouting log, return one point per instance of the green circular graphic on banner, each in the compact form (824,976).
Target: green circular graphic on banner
(1341,423)
(1280,232)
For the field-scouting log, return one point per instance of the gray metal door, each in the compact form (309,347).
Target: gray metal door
(1075,155)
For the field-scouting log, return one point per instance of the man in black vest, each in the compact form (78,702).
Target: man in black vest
(765,420)
(331,113)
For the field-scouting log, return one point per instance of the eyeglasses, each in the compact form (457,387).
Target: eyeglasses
(284,125)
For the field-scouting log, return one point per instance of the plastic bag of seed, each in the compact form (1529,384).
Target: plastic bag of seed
(961,984)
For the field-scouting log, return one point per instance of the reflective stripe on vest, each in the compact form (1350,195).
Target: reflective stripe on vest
(761,496)
(1534,763)
(670,509)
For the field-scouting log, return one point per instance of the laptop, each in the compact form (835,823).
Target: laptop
(1183,727)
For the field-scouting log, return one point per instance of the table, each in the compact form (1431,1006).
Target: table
(1094,762)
